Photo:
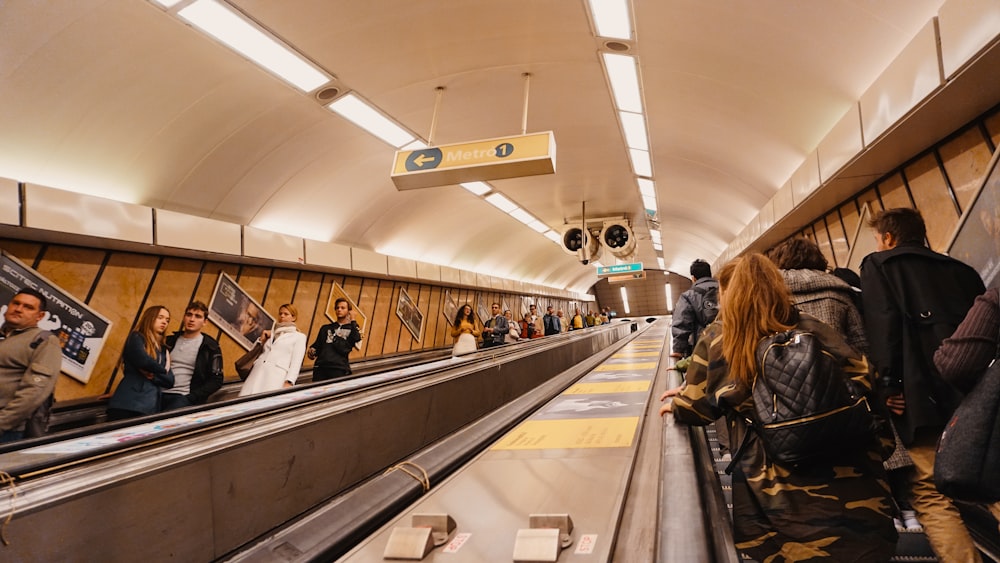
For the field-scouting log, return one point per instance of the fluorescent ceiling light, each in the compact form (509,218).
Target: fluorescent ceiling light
(523,216)
(624,82)
(646,187)
(634,126)
(244,37)
(657,246)
(167,3)
(649,202)
(353,109)
(478,188)
(660,262)
(538,226)
(655,235)
(415,145)
(501,202)
(553,236)
(611,18)
(640,162)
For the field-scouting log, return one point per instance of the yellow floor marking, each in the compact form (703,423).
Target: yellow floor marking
(571,433)
(607,387)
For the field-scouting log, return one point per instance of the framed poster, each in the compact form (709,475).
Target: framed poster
(407,312)
(450,307)
(81,330)
(236,313)
(977,236)
(336,292)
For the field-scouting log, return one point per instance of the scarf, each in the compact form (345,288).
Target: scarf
(283,328)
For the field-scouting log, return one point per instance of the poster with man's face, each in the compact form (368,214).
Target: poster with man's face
(81,330)
(236,313)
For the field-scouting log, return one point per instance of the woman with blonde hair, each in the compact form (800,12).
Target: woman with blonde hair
(146,367)
(838,508)
(278,365)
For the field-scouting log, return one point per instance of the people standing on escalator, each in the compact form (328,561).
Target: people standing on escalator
(196,360)
(334,343)
(464,331)
(495,329)
(279,363)
(146,368)
(551,322)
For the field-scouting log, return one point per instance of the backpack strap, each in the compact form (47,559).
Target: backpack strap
(743,447)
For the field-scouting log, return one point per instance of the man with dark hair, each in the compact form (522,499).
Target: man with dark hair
(551,322)
(495,329)
(914,298)
(30,361)
(696,308)
(334,342)
(195,359)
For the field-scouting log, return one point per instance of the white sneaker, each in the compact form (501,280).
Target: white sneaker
(899,525)
(910,520)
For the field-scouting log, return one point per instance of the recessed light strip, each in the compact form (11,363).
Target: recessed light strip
(246,38)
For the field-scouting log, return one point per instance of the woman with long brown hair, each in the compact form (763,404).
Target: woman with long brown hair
(838,508)
(146,367)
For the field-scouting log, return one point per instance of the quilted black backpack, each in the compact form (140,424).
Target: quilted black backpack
(805,407)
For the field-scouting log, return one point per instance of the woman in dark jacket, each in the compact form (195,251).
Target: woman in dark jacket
(146,368)
(835,510)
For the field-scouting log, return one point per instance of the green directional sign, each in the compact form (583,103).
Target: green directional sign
(619,269)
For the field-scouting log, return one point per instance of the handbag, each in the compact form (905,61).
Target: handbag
(245,362)
(967,463)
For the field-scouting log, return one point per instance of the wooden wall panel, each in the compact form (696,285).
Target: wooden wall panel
(993,128)
(389,293)
(435,320)
(175,281)
(363,293)
(933,198)
(24,251)
(120,296)
(254,280)
(73,269)
(381,293)
(965,159)
(893,192)
(307,299)
(280,290)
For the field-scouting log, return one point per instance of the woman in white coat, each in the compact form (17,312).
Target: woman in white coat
(279,363)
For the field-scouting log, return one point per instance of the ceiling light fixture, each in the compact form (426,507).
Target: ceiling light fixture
(501,202)
(624,80)
(640,162)
(246,38)
(478,188)
(357,111)
(611,18)
(634,126)
(646,187)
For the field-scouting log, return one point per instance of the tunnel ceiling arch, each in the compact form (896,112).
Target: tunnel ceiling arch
(124,100)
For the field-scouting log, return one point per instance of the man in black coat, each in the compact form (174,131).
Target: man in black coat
(913,299)
(195,360)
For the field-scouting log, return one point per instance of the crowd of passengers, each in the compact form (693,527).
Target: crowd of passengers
(502,328)
(165,371)
(850,504)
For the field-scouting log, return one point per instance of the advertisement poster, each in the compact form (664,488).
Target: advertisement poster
(336,292)
(977,238)
(236,313)
(81,330)
(407,312)
(450,308)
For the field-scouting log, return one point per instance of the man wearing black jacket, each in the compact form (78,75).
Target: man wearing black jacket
(334,343)
(195,359)
(914,298)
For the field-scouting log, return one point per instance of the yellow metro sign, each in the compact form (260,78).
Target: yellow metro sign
(489,159)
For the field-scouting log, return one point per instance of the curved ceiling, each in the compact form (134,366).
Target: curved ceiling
(125,100)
